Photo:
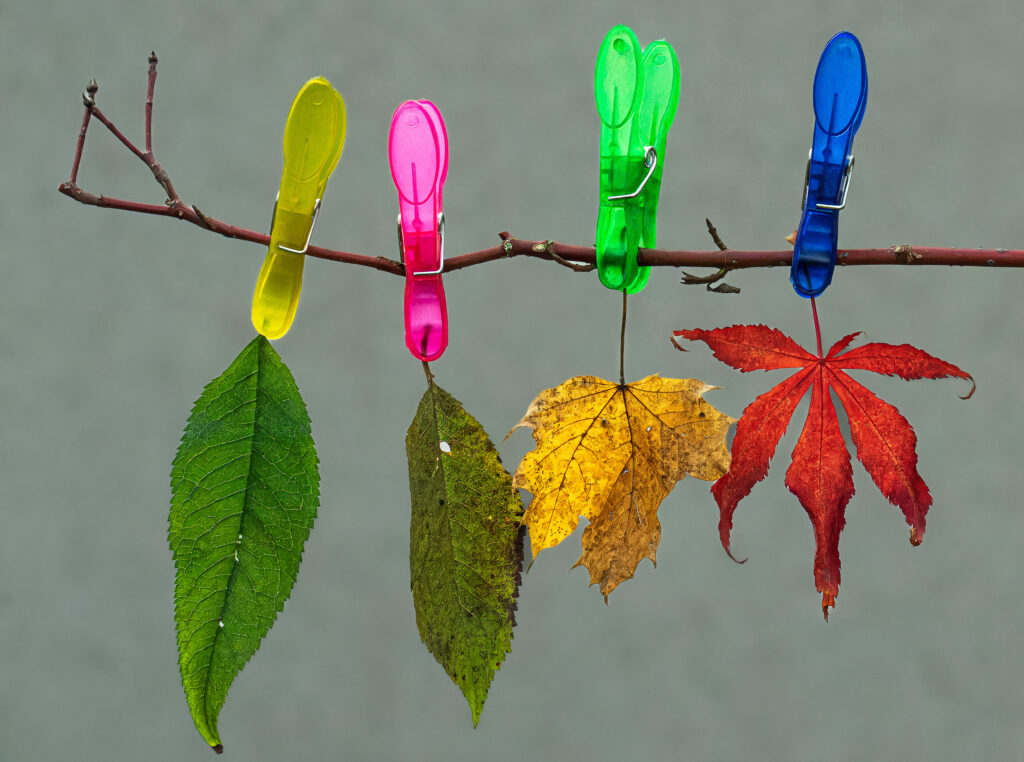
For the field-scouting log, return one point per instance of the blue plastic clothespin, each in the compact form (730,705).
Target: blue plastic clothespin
(840,95)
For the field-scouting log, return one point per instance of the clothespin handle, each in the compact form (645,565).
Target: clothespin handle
(418,154)
(840,97)
(657,112)
(314,136)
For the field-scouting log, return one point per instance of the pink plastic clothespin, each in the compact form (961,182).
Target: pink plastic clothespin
(418,151)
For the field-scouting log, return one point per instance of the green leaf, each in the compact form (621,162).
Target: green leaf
(466,547)
(244,494)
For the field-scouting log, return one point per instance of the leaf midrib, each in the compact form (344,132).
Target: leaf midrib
(434,402)
(234,568)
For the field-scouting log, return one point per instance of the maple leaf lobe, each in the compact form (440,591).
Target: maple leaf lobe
(751,347)
(760,428)
(821,478)
(901,360)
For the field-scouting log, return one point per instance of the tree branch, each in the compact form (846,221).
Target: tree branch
(576,258)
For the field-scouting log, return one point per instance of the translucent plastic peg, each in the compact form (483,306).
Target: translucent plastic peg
(314,136)
(636,92)
(418,153)
(840,97)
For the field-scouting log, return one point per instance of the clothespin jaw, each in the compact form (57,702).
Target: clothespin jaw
(840,97)
(636,92)
(418,153)
(314,136)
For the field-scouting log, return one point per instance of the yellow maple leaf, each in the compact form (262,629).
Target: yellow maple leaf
(611,453)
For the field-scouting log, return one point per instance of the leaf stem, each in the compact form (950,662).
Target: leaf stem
(817,327)
(427,371)
(622,343)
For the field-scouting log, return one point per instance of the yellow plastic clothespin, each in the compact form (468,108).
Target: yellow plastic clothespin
(314,136)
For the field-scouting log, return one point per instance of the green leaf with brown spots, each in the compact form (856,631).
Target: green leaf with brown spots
(466,547)
(244,494)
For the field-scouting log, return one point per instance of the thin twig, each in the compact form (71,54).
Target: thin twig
(697,280)
(190,214)
(714,235)
(511,247)
(147,159)
(158,172)
(96,112)
(693,280)
(88,98)
(150,86)
(549,248)
(577,258)
(207,222)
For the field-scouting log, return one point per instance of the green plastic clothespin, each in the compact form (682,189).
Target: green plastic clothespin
(636,94)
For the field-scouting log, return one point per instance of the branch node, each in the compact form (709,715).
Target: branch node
(202,218)
(905,254)
(81,196)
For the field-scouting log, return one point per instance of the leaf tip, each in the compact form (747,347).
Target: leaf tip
(709,388)
(916,536)
(728,552)
(218,749)
(724,535)
(974,386)
(827,601)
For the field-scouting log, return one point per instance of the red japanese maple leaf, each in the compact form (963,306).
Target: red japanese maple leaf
(820,475)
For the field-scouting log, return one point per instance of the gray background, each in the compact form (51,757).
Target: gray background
(112,323)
